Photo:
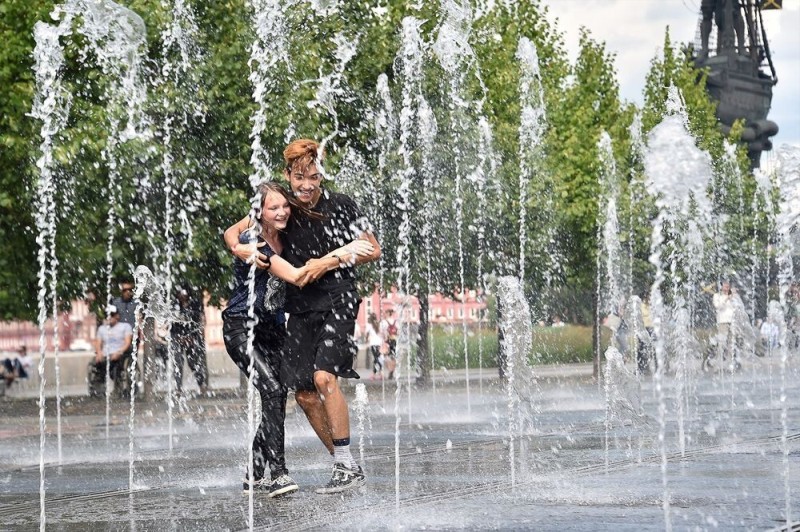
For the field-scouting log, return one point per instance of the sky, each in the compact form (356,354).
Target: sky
(634,30)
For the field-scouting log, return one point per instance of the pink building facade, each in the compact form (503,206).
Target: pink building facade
(78,327)
(76,330)
(442,310)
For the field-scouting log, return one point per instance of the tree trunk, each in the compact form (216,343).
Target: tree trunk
(595,331)
(148,359)
(501,352)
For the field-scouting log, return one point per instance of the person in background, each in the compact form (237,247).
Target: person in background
(125,304)
(645,352)
(725,310)
(770,333)
(161,343)
(388,329)
(16,368)
(375,341)
(188,337)
(112,346)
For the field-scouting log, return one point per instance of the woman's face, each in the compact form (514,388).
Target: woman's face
(275,211)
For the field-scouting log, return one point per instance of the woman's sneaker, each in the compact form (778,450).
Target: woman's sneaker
(283,485)
(261,485)
(343,478)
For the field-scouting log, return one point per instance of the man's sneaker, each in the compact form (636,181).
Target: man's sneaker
(343,478)
(283,485)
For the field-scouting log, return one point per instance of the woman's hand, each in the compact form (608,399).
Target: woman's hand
(316,268)
(303,277)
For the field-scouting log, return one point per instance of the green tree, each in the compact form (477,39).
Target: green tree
(588,106)
(17,256)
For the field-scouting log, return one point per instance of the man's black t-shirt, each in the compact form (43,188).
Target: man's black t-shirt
(307,238)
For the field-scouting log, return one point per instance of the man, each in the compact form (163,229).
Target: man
(725,310)
(113,343)
(125,304)
(16,368)
(715,9)
(388,329)
(319,343)
(188,339)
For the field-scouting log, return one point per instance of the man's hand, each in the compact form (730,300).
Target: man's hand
(360,247)
(98,357)
(249,254)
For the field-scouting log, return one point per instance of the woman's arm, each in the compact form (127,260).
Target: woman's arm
(344,256)
(276,265)
(280,268)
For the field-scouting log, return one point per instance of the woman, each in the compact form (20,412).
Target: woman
(260,241)
(375,341)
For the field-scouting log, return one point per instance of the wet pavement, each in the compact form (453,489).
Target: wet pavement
(438,459)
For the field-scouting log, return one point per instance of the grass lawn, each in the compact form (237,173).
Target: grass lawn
(551,345)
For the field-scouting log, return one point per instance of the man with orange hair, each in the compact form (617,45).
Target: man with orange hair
(319,343)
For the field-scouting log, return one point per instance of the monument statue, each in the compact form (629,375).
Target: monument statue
(737,77)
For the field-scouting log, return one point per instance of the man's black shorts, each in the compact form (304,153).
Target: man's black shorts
(319,340)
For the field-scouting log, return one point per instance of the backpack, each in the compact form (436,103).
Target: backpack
(392,329)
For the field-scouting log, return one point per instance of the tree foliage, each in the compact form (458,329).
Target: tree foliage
(211,151)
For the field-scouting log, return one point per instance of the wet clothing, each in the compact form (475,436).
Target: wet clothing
(268,339)
(268,444)
(307,239)
(319,341)
(270,291)
(322,314)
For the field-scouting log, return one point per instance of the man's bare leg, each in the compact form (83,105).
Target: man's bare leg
(311,404)
(335,405)
(346,472)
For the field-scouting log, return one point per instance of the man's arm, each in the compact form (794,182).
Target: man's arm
(125,347)
(98,349)
(244,252)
